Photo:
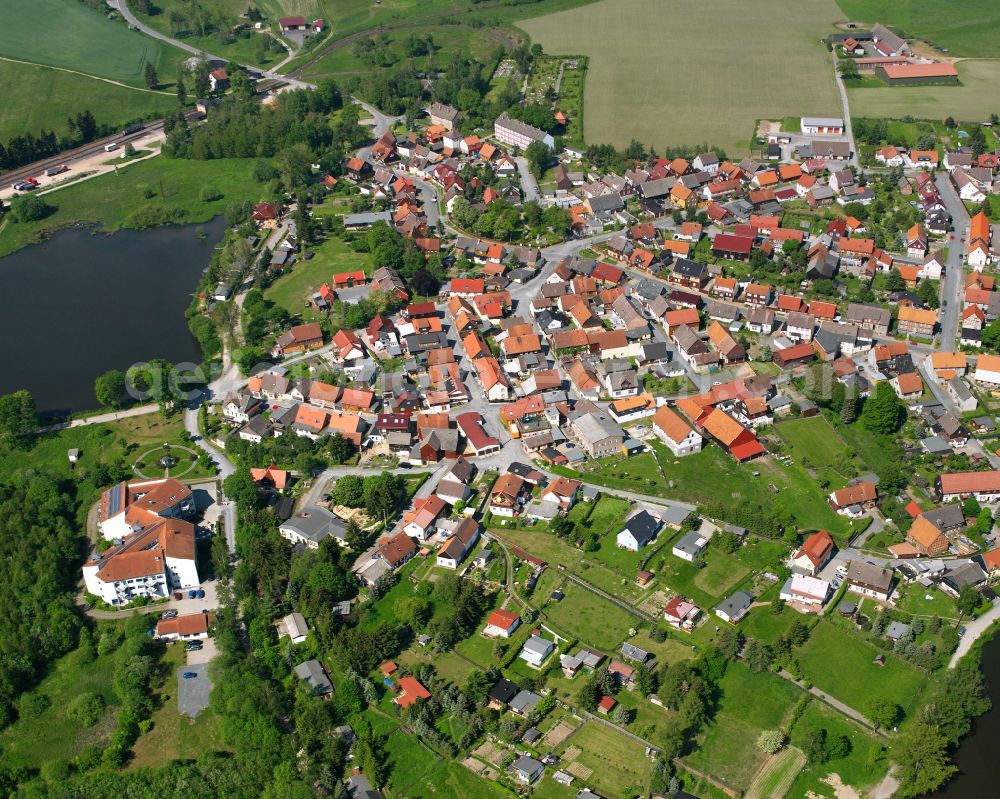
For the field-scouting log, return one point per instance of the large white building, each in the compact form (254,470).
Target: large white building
(824,126)
(152,562)
(127,508)
(520,134)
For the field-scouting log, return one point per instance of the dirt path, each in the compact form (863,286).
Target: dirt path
(86,75)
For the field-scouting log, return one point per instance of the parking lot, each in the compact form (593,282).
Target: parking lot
(184,605)
(192,694)
(200,656)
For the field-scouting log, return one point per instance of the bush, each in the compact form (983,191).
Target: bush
(210,193)
(29,208)
(55,770)
(152,215)
(86,709)
(32,705)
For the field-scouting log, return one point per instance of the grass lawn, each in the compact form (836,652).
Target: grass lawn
(78,37)
(242,49)
(110,200)
(749,703)
(419,774)
(51,735)
(120,442)
(762,624)
(66,95)
(293,288)
(970,28)
(174,736)
(777,774)
(913,599)
(852,769)
(932,102)
(620,766)
(812,438)
(722,573)
(670,651)
(593,619)
(842,664)
(704,74)
(711,477)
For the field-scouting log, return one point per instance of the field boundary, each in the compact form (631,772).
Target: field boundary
(85,75)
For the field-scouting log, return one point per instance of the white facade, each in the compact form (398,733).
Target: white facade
(689,444)
(805,590)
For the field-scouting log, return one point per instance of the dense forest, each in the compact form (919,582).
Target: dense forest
(40,550)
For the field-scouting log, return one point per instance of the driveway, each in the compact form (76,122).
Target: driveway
(201,656)
(193,693)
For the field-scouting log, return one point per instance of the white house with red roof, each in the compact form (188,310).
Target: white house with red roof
(501,624)
(815,552)
(681,614)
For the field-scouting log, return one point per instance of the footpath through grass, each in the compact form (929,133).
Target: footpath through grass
(66,95)
(843,665)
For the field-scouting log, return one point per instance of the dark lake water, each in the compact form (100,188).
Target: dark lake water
(976,777)
(81,303)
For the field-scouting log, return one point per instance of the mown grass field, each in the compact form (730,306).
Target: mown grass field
(593,619)
(749,703)
(969,28)
(777,775)
(66,33)
(67,94)
(110,200)
(291,290)
(843,665)
(619,763)
(678,88)
(968,102)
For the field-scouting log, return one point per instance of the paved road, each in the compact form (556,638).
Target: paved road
(973,631)
(952,283)
(848,128)
(122,7)
(528,182)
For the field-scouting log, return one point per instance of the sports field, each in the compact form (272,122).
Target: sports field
(65,95)
(973,101)
(66,33)
(685,83)
(968,28)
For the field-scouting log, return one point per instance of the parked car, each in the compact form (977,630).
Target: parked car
(192,646)
(201,593)
(169,614)
(178,595)
(192,594)
(189,675)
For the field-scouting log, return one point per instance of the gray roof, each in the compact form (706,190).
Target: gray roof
(524,702)
(946,517)
(674,514)
(611,201)
(312,672)
(736,603)
(823,122)
(596,427)
(863,573)
(315,524)
(368,218)
(896,630)
(522,128)
(526,765)
(538,645)
(691,544)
